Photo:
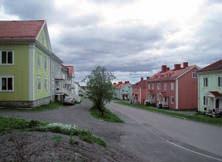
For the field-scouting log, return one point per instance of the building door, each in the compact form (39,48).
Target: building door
(217,103)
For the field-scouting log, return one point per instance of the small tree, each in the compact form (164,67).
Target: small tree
(99,87)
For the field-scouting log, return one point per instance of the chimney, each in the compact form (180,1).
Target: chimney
(141,78)
(163,68)
(185,64)
(177,67)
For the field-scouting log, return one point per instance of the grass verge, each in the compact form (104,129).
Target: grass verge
(108,115)
(50,106)
(7,124)
(195,117)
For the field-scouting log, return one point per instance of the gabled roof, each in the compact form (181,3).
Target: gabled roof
(212,67)
(215,93)
(120,85)
(170,74)
(20,30)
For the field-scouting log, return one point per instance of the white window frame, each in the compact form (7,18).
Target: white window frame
(13,81)
(158,86)
(219,84)
(171,99)
(46,84)
(172,86)
(205,100)
(39,81)
(165,86)
(39,61)
(194,75)
(207,81)
(13,56)
(46,63)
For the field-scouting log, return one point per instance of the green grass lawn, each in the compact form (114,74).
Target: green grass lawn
(108,116)
(50,106)
(7,124)
(195,117)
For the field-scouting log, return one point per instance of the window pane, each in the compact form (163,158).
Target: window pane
(10,84)
(3,83)
(3,57)
(10,57)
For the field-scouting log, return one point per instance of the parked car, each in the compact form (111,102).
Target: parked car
(69,100)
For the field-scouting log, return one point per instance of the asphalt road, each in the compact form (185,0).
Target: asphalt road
(145,136)
(196,138)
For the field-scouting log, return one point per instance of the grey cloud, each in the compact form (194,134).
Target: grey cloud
(112,1)
(214,2)
(85,43)
(29,9)
(108,46)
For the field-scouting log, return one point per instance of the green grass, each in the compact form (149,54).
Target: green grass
(7,124)
(50,106)
(108,115)
(195,117)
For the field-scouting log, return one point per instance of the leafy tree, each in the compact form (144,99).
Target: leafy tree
(99,87)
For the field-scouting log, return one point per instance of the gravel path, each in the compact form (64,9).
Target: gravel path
(136,139)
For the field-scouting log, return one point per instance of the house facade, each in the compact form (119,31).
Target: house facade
(123,90)
(28,67)
(210,88)
(174,88)
(140,91)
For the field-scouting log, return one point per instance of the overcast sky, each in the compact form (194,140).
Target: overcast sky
(132,38)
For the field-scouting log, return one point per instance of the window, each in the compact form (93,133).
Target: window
(46,84)
(194,75)
(205,82)
(148,86)
(158,86)
(45,63)
(204,100)
(165,86)
(172,100)
(6,84)
(172,86)
(39,61)
(219,81)
(39,84)
(6,57)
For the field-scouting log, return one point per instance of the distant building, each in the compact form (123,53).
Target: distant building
(174,88)
(122,90)
(140,91)
(210,88)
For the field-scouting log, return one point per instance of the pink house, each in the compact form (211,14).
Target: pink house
(175,88)
(70,70)
(139,91)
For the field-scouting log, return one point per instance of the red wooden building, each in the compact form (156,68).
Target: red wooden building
(175,88)
(139,91)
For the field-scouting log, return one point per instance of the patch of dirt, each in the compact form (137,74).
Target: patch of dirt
(45,146)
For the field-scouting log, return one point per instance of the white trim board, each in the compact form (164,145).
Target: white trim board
(31,71)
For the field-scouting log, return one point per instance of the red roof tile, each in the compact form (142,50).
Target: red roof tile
(20,30)
(212,67)
(170,74)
